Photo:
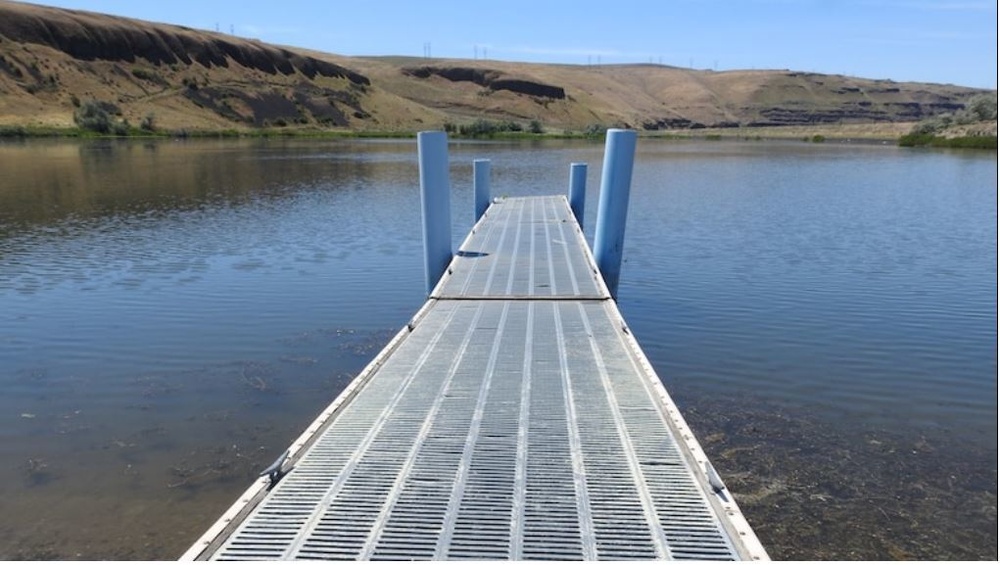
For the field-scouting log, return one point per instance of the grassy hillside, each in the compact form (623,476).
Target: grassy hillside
(54,61)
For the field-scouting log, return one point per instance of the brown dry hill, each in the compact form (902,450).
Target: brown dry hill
(53,59)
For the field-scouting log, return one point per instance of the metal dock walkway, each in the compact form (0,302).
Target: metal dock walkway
(515,417)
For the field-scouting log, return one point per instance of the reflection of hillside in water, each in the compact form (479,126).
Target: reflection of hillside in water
(49,181)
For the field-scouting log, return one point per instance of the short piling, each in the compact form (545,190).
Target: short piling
(481,186)
(577,190)
(435,203)
(612,207)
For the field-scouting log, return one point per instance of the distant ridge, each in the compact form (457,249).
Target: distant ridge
(51,60)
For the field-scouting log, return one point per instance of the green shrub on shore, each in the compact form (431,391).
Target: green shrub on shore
(594,130)
(99,117)
(930,140)
(13,131)
(981,108)
(93,116)
(487,128)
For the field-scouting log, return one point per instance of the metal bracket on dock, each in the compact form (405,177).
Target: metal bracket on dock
(274,472)
(715,481)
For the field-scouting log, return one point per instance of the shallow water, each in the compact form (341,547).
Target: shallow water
(172,315)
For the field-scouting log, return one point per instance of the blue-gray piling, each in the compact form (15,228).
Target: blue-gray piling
(612,208)
(577,190)
(481,186)
(435,202)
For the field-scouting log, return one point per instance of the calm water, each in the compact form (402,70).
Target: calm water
(172,314)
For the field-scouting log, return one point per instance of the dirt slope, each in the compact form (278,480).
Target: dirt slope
(51,60)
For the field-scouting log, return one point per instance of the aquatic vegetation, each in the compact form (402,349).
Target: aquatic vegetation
(870,493)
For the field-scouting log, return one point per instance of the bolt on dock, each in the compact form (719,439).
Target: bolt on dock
(514,417)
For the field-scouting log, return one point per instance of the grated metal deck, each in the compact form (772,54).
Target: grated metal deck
(514,418)
(524,248)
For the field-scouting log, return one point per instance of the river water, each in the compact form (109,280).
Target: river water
(173,313)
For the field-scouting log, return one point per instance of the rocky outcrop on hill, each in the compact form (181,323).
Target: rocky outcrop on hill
(671,123)
(276,107)
(494,80)
(849,112)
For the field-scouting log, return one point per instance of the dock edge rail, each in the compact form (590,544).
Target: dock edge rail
(745,541)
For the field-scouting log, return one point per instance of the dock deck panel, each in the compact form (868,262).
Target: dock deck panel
(512,426)
(524,248)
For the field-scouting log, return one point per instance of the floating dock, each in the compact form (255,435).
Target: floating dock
(514,417)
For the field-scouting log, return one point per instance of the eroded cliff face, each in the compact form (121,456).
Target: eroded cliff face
(52,59)
(190,78)
(89,37)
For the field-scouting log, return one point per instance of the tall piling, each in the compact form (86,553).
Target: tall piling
(577,190)
(481,186)
(612,207)
(435,204)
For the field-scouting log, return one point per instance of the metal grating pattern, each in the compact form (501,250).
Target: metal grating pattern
(514,418)
(523,247)
(497,430)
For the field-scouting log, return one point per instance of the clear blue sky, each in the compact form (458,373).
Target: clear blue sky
(943,41)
